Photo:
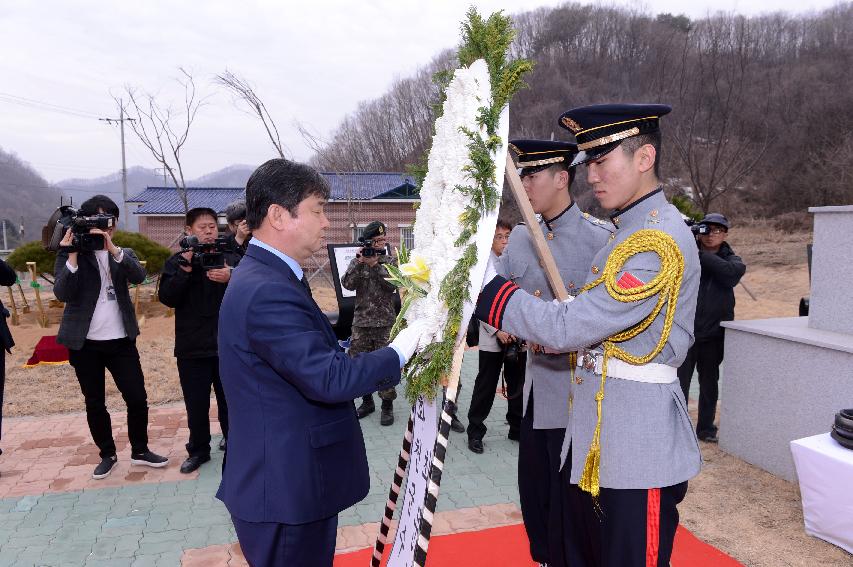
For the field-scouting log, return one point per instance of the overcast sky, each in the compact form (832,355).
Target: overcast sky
(311,62)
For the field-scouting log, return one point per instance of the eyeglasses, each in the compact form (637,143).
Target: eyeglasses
(501,237)
(717,230)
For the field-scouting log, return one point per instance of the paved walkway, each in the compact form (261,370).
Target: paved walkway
(53,513)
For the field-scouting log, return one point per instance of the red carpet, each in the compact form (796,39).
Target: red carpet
(507,547)
(48,351)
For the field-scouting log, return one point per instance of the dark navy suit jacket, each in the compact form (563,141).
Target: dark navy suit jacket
(295,449)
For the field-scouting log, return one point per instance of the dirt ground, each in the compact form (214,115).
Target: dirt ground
(742,510)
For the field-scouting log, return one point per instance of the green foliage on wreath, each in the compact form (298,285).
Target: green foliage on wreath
(487,39)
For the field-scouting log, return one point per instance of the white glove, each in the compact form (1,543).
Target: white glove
(406,341)
(491,272)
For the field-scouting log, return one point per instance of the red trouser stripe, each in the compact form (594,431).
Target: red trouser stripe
(653,527)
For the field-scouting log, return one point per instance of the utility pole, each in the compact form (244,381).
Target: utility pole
(121,120)
(5,246)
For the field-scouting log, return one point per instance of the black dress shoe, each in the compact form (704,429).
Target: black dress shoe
(709,438)
(366,408)
(456,425)
(476,446)
(193,463)
(222,444)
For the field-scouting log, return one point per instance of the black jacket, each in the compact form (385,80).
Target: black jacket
(80,291)
(8,277)
(196,301)
(721,272)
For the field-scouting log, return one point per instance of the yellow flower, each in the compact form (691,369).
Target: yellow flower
(416,269)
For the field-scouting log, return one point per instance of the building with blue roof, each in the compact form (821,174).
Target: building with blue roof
(356,199)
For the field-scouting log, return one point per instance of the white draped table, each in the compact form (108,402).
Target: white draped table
(825,471)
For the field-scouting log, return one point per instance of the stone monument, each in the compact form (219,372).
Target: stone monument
(786,377)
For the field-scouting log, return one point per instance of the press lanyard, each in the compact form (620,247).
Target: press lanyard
(105,274)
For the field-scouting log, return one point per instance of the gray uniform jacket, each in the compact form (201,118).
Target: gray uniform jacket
(81,289)
(646,437)
(577,238)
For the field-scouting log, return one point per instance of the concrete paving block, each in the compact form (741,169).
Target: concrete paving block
(26,503)
(170,536)
(156,523)
(218,535)
(110,562)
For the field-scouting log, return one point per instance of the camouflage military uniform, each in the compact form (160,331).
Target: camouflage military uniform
(374,309)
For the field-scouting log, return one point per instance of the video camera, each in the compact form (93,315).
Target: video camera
(369,251)
(66,217)
(698,228)
(207,255)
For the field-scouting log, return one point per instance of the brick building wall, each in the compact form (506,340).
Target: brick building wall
(165,230)
(397,215)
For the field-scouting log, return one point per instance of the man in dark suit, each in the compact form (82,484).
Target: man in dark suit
(99,328)
(296,455)
(7,278)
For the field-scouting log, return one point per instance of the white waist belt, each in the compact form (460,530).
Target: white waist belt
(651,373)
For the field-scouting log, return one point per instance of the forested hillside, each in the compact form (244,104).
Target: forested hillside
(763,109)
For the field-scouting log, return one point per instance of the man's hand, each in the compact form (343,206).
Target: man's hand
(504,338)
(220,275)
(406,341)
(188,256)
(243,232)
(369,261)
(67,241)
(108,242)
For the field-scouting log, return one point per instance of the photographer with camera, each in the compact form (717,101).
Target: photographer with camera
(240,234)
(193,283)
(722,269)
(99,325)
(498,350)
(374,308)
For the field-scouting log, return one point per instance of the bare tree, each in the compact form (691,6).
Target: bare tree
(718,136)
(243,91)
(163,130)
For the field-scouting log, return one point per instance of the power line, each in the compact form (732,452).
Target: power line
(42,105)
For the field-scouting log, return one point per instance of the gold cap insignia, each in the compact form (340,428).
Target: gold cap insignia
(571,124)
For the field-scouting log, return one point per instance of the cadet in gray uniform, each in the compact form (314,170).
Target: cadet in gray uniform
(632,328)
(573,238)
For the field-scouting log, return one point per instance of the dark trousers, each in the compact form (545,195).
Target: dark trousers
(486,385)
(197,376)
(626,528)
(705,356)
(268,544)
(121,358)
(2,387)
(542,492)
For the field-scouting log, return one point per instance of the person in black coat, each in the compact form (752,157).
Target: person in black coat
(722,269)
(7,278)
(196,295)
(99,328)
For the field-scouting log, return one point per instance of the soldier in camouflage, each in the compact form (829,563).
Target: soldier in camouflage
(374,308)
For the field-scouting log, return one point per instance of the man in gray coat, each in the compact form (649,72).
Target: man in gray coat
(629,442)
(573,237)
(99,328)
